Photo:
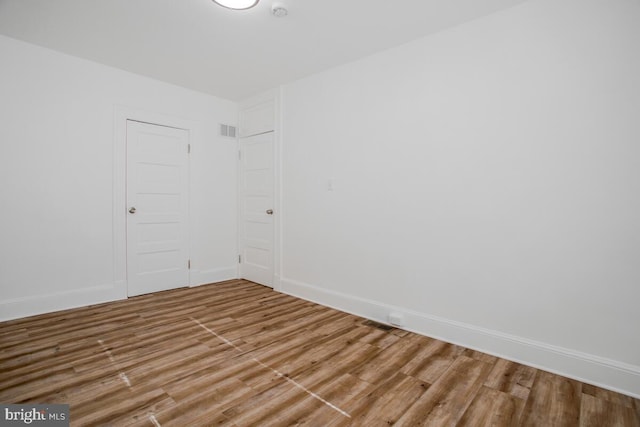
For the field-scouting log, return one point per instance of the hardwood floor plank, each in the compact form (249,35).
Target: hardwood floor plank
(370,397)
(250,411)
(172,371)
(338,392)
(315,383)
(311,355)
(209,378)
(392,359)
(512,378)
(208,400)
(239,354)
(447,399)
(117,406)
(432,361)
(610,396)
(15,373)
(483,357)
(553,400)
(30,387)
(386,411)
(210,418)
(596,412)
(292,330)
(380,338)
(493,408)
(88,391)
(343,362)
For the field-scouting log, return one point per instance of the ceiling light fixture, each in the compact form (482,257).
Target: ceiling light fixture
(237,4)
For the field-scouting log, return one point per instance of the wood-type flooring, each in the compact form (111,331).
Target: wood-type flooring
(239,354)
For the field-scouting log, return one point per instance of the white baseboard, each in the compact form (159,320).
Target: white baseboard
(213,275)
(30,306)
(33,305)
(277,283)
(606,373)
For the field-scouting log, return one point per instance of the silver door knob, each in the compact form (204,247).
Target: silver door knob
(132,210)
(269,211)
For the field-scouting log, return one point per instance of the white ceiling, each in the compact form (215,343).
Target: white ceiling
(231,54)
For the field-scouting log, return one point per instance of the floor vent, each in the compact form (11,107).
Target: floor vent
(378,325)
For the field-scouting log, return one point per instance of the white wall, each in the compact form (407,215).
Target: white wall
(57,142)
(486,185)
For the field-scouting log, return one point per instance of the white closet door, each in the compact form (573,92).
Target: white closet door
(157,204)
(256,208)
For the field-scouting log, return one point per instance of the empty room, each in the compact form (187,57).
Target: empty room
(320,213)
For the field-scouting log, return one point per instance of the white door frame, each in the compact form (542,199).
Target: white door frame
(261,218)
(274,97)
(121,115)
(169,146)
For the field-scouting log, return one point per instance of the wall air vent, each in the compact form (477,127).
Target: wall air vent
(228,131)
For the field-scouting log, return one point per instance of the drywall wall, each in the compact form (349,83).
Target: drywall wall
(61,239)
(484,183)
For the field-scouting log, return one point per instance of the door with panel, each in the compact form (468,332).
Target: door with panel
(157,204)
(256,208)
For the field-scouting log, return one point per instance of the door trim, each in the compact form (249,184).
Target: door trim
(274,97)
(243,217)
(121,115)
(137,284)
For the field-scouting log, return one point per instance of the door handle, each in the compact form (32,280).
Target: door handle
(269,211)
(132,210)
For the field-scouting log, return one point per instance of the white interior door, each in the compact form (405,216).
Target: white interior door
(256,208)
(157,203)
